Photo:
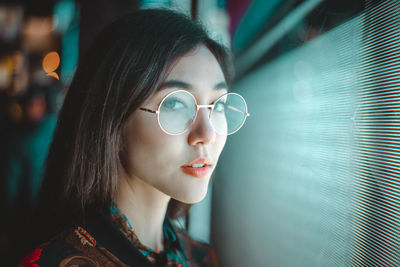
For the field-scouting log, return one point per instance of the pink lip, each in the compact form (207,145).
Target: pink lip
(198,172)
(206,161)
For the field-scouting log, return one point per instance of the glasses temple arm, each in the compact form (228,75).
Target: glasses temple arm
(245,113)
(149,110)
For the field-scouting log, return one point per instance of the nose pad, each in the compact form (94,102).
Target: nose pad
(209,113)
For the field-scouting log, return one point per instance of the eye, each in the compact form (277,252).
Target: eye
(219,106)
(173,103)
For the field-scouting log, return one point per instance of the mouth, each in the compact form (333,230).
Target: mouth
(200,167)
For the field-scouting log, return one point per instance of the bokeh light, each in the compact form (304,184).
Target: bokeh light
(54,75)
(51,61)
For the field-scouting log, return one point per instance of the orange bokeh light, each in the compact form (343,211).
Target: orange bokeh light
(54,75)
(51,62)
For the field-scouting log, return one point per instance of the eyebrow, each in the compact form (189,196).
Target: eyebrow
(187,86)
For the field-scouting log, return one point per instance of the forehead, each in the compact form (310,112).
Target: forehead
(199,68)
(197,72)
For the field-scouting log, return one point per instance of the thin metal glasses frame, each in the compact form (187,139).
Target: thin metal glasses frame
(211,107)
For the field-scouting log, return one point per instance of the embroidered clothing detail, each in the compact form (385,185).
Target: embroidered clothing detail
(85,237)
(107,238)
(170,256)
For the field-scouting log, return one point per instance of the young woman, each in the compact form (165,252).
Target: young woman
(138,137)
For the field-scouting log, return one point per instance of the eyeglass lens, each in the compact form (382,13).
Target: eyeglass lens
(178,110)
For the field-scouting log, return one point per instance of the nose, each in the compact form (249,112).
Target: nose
(201,131)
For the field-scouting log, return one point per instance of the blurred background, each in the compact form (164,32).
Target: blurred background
(312,178)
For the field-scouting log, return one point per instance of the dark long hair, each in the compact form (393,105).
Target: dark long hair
(124,67)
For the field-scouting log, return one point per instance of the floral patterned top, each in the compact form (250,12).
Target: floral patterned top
(108,239)
(172,254)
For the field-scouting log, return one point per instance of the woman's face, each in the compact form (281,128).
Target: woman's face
(160,160)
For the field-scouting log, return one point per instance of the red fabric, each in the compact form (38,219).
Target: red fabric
(31,258)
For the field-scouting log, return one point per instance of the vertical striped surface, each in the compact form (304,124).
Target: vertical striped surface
(313,177)
(377,151)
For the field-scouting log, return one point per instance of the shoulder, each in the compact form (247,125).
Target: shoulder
(198,253)
(73,247)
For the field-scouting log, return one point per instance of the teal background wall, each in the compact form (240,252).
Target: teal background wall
(284,187)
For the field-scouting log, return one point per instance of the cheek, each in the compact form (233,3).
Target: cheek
(148,149)
(149,152)
(219,145)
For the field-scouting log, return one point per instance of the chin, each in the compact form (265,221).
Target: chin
(192,198)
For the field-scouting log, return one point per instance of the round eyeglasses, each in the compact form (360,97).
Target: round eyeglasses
(178,110)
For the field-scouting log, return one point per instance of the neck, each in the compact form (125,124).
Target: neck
(145,207)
